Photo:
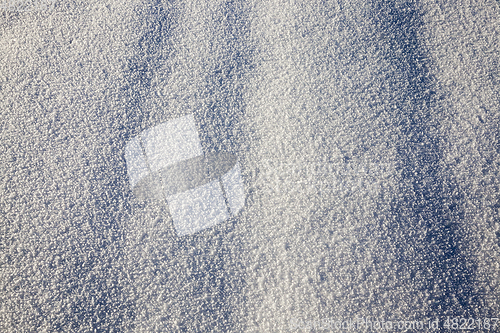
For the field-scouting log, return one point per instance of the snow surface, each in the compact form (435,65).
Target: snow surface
(367,135)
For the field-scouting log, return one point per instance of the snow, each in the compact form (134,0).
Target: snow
(349,156)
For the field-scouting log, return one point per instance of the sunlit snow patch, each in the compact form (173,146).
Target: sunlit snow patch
(27,5)
(201,190)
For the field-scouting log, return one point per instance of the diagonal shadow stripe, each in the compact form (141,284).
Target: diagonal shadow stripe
(430,212)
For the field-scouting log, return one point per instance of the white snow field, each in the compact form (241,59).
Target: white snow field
(367,137)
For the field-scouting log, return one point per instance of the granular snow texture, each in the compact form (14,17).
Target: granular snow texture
(368,135)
